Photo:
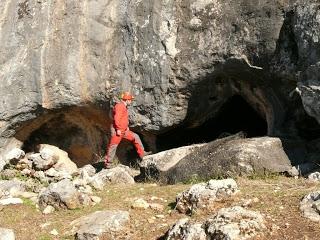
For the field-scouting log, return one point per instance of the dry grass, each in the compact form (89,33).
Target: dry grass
(278,200)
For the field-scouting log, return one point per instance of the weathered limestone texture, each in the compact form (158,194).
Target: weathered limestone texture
(63,63)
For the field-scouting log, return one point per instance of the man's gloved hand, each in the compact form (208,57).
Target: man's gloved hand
(118,132)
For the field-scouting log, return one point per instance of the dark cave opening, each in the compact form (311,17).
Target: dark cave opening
(234,116)
(77,133)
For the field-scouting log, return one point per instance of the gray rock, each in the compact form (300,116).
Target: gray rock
(10,201)
(64,81)
(94,225)
(230,156)
(314,176)
(87,169)
(234,223)
(40,164)
(6,234)
(60,195)
(310,206)
(303,169)
(183,229)
(151,165)
(14,156)
(12,187)
(117,175)
(203,195)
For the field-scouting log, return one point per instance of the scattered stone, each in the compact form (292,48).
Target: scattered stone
(160,216)
(48,210)
(12,187)
(11,201)
(41,176)
(95,199)
(310,206)
(204,194)
(40,164)
(156,206)
(249,202)
(54,232)
(13,156)
(183,229)
(234,223)
(88,169)
(28,195)
(303,169)
(140,204)
(118,175)
(44,225)
(314,176)
(6,234)
(64,163)
(98,223)
(60,195)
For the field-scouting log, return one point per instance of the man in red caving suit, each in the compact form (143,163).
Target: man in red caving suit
(120,129)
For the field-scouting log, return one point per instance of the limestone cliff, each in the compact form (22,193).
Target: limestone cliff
(63,63)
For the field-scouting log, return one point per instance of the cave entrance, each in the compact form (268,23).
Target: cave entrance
(79,132)
(234,116)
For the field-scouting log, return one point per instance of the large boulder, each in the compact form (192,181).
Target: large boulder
(226,157)
(160,162)
(12,188)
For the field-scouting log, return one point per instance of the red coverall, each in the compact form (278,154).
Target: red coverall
(121,122)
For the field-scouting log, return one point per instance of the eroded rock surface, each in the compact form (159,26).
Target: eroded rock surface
(235,223)
(203,195)
(58,81)
(98,223)
(230,156)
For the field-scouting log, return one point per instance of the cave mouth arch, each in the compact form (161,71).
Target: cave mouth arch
(234,116)
(80,131)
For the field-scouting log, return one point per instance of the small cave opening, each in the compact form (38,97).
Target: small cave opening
(81,134)
(234,116)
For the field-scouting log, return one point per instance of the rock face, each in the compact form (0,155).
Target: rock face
(58,79)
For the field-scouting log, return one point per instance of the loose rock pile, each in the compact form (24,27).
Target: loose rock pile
(53,181)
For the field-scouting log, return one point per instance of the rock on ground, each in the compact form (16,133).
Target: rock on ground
(6,234)
(310,206)
(229,157)
(235,223)
(62,194)
(101,222)
(205,194)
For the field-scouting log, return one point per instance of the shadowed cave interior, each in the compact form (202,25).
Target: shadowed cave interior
(234,116)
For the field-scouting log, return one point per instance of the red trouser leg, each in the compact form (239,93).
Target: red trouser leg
(112,147)
(135,139)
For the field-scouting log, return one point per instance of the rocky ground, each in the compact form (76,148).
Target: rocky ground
(44,195)
(276,198)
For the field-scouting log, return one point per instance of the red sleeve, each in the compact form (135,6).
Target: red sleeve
(118,115)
